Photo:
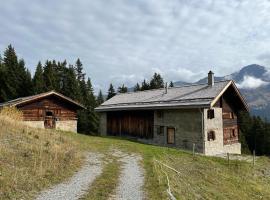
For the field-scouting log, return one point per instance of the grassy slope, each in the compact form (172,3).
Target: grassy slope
(33,159)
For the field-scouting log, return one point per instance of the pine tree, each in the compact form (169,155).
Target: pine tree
(171,84)
(122,89)
(49,76)
(100,98)
(156,81)
(137,87)
(111,92)
(71,86)
(145,85)
(79,70)
(10,63)
(38,81)
(24,78)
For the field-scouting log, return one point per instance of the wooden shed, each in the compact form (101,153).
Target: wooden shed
(50,110)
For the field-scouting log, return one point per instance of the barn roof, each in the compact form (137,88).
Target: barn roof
(188,96)
(23,100)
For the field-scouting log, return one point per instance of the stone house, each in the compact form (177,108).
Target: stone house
(203,114)
(50,110)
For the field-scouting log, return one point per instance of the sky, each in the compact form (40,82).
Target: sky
(125,41)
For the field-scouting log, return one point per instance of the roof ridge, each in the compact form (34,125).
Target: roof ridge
(180,86)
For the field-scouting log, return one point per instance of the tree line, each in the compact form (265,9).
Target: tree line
(254,134)
(67,79)
(155,82)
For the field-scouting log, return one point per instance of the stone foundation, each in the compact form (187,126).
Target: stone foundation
(233,148)
(34,124)
(70,125)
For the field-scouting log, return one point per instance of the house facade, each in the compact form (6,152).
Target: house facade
(204,115)
(50,110)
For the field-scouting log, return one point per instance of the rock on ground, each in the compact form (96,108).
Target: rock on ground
(78,184)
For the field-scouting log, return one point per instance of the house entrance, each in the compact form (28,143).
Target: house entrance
(49,121)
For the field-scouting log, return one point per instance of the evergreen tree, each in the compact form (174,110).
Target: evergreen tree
(88,119)
(49,76)
(100,98)
(171,84)
(137,87)
(24,78)
(79,70)
(122,89)
(145,85)
(38,81)
(71,87)
(111,92)
(10,63)
(156,81)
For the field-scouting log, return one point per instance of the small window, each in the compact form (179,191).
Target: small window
(211,136)
(210,114)
(171,135)
(160,130)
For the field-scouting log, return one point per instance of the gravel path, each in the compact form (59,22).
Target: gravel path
(78,184)
(131,178)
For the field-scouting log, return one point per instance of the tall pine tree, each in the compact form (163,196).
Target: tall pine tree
(38,81)
(156,81)
(137,87)
(122,89)
(111,92)
(100,98)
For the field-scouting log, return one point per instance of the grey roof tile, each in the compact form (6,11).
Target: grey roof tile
(199,95)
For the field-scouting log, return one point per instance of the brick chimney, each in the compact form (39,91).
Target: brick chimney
(211,78)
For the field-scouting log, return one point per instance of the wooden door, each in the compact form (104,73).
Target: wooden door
(171,135)
(49,121)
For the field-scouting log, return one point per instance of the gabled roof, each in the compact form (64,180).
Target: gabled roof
(188,96)
(23,100)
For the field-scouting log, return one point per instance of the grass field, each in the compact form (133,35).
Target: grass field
(33,159)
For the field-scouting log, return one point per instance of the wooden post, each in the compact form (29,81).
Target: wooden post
(228,158)
(254,158)
(193,150)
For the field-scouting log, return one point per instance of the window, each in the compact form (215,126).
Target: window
(171,135)
(160,130)
(210,114)
(211,135)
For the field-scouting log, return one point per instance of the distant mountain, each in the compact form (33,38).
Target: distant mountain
(254,83)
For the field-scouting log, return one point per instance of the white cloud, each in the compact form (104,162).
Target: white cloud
(128,39)
(250,82)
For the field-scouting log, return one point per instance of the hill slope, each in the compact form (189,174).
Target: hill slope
(32,159)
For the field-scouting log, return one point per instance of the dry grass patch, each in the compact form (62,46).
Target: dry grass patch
(32,159)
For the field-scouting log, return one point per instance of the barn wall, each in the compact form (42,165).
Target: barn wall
(188,128)
(70,125)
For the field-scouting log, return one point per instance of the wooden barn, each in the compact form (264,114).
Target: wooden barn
(204,115)
(50,110)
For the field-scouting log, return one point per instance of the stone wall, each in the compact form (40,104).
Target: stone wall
(232,148)
(34,124)
(103,123)
(70,125)
(188,128)
(213,147)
